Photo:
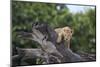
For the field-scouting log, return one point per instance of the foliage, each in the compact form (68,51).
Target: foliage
(85,31)
(56,15)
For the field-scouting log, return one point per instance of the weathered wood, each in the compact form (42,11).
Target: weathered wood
(50,51)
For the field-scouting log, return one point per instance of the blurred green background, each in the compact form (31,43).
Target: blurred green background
(56,15)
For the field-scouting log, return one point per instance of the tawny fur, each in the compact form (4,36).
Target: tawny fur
(64,33)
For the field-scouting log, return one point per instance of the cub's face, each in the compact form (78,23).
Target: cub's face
(67,33)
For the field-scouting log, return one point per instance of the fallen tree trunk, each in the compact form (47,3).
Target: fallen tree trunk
(50,52)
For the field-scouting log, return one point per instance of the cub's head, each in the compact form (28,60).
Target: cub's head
(68,32)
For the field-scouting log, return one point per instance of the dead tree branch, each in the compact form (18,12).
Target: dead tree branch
(50,51)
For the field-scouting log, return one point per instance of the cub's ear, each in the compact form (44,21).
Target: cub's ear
(64,29)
